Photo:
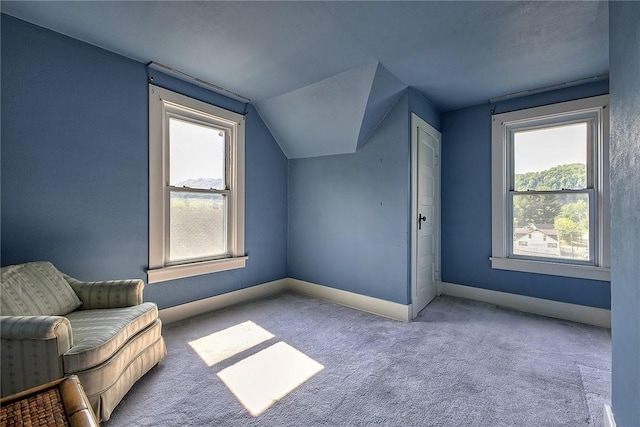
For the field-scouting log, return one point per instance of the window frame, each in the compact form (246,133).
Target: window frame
(594,109)
(163,105)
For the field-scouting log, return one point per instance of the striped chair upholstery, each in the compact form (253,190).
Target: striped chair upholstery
(36,289)
(104,333)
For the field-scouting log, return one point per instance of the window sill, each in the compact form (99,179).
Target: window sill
(163,274)
(552,268)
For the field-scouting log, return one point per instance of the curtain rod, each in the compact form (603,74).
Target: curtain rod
(548,88)
(186,77)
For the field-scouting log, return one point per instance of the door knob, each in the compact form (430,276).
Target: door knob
(420,219)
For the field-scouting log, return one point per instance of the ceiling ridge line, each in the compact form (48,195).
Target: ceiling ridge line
(203,83)
(548,88)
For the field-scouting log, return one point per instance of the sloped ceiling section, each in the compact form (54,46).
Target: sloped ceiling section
(332,116)
(385,91)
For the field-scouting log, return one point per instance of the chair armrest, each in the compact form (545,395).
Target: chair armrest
(107,294)
(37,328)
(32,349)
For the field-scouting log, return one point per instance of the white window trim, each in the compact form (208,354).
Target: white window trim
(161,101)
(500,181)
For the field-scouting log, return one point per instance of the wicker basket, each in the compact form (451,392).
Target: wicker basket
(59,403)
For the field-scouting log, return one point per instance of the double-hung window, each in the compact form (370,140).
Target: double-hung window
(550,189)
(196,187)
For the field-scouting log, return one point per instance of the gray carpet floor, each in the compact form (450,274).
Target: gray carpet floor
(460,363)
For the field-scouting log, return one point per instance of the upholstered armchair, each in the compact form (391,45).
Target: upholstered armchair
(52,326)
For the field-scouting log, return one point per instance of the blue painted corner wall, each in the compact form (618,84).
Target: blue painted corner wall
(624,54)
(466,206)
(74,169)
(75,184)
(349,214)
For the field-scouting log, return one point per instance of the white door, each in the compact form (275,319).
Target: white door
(426,206)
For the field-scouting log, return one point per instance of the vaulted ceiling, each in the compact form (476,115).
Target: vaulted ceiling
(322,74)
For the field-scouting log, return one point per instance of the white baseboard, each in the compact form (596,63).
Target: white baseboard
(190,309)
(609,421)
(372,305)
(560,310)
(349,299)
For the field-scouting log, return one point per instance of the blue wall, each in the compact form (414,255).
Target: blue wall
(75,167)
(422,107)
(466,206)
(624,53)
(349,214)
(75,185)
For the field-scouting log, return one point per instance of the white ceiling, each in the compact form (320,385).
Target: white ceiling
(455,53)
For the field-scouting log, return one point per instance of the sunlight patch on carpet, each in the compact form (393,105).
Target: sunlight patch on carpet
(222,345)
(264,378)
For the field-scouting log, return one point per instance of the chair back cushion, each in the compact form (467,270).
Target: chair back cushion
(35,289)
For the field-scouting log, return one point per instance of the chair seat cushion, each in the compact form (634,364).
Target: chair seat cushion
(98,334)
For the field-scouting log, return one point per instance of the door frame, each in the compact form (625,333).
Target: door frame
(419,123)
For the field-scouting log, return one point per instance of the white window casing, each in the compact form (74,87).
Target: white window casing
(595,112)
(163,105)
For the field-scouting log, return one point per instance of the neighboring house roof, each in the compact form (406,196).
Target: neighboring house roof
(545,229)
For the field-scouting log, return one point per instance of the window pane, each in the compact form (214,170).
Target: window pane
(551,225)
(197,155)
(197,224)
(551,158)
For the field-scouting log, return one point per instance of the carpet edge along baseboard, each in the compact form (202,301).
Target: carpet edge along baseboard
(566,311)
